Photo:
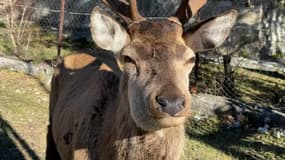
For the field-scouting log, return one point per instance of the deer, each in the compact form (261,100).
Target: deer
(140,113)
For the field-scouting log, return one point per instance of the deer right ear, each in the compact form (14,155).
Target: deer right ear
(106,32)
(211,33)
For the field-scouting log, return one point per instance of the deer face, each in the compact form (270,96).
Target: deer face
(157,58)
(157,63)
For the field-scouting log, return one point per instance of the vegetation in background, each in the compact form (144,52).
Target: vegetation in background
(24,105)
(17,22)
(43,46)
(21,36)
(250,86)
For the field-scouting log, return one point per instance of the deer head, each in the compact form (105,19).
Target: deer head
(157,58)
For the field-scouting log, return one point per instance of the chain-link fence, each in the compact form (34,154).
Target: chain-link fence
(248,67)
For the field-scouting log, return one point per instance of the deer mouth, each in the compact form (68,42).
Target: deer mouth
(165,120)
(171,121)
(157,113)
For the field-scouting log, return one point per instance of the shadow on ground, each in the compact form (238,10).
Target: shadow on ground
(240,143)
(8,148)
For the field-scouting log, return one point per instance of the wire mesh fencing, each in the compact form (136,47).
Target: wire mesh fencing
(249,66)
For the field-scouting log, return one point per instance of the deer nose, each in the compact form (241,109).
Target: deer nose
(171,106)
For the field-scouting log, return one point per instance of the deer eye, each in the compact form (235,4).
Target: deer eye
(130,65)
(127,59)
(191,60)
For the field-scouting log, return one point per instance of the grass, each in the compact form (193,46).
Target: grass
(24,115)
(198,149)
(251,86)
(43,45)
(214,141)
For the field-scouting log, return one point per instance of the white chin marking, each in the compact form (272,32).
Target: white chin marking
(171,121)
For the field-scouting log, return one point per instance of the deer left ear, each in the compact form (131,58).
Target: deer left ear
(211,33)
(106,32)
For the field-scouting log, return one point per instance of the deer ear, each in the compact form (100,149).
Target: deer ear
(106,32)
(211,33)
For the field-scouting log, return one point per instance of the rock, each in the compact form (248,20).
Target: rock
(278,132)
(236,124)
(249,17)
(36,70)
(235,113)
(205,104)
(260,25)
(263,130)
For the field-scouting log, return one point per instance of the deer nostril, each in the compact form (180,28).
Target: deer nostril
(170,106)
(162,101)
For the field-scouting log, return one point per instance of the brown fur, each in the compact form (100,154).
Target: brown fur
(96,114)
(95,108)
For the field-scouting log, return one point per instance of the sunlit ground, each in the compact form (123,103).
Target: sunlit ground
(24,115)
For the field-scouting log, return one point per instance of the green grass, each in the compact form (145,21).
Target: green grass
(43,44)
(23,104)
(250,86)
(214,141)
(199,149)
(23,113)
(24,108)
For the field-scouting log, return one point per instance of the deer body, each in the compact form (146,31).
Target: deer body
(140,114)
(103,131)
